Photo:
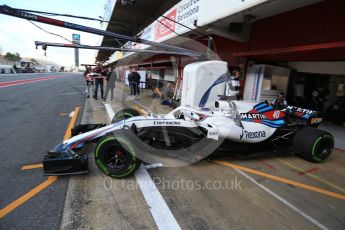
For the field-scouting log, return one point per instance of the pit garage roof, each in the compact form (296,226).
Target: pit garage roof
(131,18)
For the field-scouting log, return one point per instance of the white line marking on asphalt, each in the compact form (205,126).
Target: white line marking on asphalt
(109,110)
(152,166)
(64,94)
(160,211)
(287,203)
(71,114)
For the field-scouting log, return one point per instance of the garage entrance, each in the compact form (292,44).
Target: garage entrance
(319,86)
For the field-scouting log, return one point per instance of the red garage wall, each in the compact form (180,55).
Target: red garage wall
(314,24)
(225,49)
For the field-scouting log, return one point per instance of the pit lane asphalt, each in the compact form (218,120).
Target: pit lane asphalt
(30,123)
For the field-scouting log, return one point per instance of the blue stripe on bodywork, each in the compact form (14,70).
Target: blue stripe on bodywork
(260,106)
(278,122)
(205,97)
(265,109)
(271,124)
(306,116)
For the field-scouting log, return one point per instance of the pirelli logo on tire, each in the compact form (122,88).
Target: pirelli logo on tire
(101,166)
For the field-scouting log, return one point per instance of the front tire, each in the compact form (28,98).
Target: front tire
(116,157)
(313,144)
(125,114)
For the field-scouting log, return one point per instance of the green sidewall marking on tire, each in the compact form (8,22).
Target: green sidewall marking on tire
(104,168)
(128,114)
(125,114)
(315,144)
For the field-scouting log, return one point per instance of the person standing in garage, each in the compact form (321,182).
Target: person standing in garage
(233,87)
(99,80)
(111,78)
(134,76)
(280,102)
(319,96)
(129,77)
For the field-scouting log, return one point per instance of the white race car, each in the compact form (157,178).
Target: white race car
(191,132)
(187,135)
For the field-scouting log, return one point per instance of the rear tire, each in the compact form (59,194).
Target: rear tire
(116,157)
(125,114)
(313,144)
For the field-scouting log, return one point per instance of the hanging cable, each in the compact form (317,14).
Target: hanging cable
(58,35)
(42,19)
(74,16)
(110,22)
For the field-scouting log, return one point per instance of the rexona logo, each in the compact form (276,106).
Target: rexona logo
(167,123)
(252,135)
(255,116)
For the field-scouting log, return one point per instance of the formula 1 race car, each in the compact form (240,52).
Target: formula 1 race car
(199,128)
(188,135)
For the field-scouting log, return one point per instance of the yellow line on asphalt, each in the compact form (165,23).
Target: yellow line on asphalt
(26,167)
(51,179)
(9,208)
(315,177)
(68,133)
(282,180)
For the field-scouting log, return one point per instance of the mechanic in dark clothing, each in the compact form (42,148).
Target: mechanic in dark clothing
(279,102)
(130,81)
(319,96)
(166,94)
(99,80)
(134,80)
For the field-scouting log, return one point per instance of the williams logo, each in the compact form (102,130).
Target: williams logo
(254,116)
(167,123)
(252,135)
